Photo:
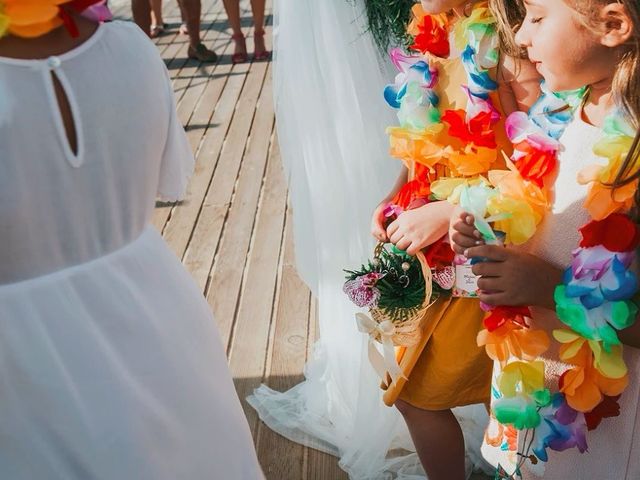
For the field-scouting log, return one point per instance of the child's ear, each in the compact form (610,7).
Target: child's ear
(618,26)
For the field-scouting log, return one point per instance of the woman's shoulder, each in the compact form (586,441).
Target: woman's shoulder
(121,30)
(124,27)
(130,43)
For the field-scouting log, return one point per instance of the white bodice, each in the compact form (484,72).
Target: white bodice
(59,209)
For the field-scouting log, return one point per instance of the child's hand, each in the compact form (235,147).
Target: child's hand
(377,223)
(513,277)
(462,233)
(415,229)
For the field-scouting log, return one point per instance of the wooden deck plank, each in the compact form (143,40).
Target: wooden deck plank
(282,459)
(195,75)
(240,218)
(163,211)
(179,232)
(227,79)
(219,198)
(249,340)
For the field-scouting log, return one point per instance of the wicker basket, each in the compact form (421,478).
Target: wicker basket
(408,326)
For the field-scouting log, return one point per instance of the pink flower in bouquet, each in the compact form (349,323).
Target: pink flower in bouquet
(445,277)
(362,290)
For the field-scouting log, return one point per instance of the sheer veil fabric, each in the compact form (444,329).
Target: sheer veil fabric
(331,120)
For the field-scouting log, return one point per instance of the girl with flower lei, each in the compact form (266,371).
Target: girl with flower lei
(563,383)
(452,92)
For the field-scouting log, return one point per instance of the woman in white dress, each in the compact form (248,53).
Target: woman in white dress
(111,365)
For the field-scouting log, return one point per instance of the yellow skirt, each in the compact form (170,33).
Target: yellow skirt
(452,370)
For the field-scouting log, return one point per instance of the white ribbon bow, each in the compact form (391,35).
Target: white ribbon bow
(381,363)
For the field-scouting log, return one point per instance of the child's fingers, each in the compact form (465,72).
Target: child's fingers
(403,243)
(458,249)
(377,224)
(380,235)
(490,284)
(465,229)
(488,269)
(378,231)
(467,218)
(493,298)
(462,242)
(392,228)
(395,235)
(414,248)
(494,253)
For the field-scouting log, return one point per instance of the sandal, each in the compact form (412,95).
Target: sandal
(263,54)
(157,30)
(202,53)
(240,56)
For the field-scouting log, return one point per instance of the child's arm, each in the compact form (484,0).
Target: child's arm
(518,84)
(377,220)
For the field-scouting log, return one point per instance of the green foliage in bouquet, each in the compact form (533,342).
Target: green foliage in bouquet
(388,20)
(400,283)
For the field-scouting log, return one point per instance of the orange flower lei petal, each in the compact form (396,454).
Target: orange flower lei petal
(514,340)
(414,147)
(32,18)
(585,387)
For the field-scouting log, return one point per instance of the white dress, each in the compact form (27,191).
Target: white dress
(111,365)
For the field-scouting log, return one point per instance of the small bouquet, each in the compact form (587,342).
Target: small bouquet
(397,290)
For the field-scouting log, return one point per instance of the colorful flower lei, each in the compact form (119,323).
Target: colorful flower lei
(431,141)
(34,18)
(593,301)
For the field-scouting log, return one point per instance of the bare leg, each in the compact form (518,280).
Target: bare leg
(438,440)
(183,18)
(156,11)
(232,7)
(157,23)
(142,14)
(192,10)
(257,8)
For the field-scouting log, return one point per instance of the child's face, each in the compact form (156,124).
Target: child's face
(567,54)
(441,6)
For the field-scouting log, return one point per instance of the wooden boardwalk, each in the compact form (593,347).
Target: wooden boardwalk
(233,232)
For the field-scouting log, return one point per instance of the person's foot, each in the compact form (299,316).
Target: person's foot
(261,52)
(202,53)
(184,30)
(240,50)
(157,30)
